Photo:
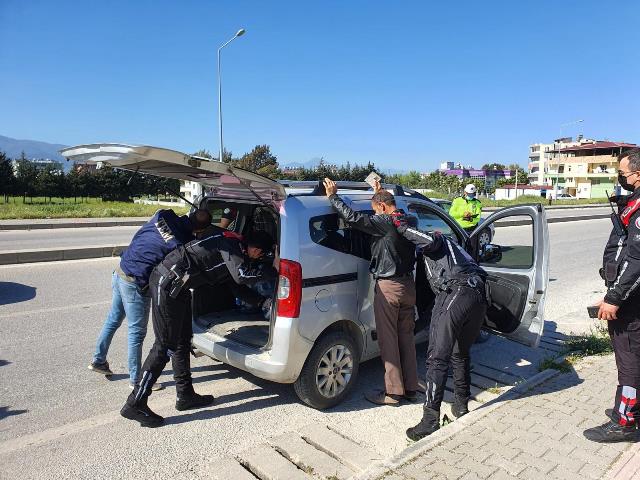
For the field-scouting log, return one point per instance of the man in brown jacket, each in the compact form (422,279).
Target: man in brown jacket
(392,262)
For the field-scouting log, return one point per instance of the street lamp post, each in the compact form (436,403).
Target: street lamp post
(239,33)
(560,154)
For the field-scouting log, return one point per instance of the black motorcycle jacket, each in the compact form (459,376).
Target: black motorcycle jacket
(214,260)
(446,263)
(391,255)
(621,259)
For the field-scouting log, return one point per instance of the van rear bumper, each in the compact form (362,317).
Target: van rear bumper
(281,363)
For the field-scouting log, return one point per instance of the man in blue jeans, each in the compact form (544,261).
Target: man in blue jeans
(155,239)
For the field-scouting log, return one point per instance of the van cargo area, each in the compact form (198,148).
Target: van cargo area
(216,309)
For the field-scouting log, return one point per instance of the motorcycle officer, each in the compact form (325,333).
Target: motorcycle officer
(621,305)
(218,259)
(457,317)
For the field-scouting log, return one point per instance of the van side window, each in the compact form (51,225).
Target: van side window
(330,231)
(429,221)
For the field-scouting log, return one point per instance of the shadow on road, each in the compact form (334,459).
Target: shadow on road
(5,412)
(4,362)
(11,292)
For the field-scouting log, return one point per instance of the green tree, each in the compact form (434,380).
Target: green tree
(494,166)
(26,177)
(261,161)
(7,177)
(49,182)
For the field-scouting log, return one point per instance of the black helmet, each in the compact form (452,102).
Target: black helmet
(260,239)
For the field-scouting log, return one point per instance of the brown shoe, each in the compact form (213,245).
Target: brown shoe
(380,397)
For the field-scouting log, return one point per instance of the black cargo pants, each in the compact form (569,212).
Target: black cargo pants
(625,338)
(171,319)
(456,321)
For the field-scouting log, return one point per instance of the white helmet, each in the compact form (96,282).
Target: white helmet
(470,188)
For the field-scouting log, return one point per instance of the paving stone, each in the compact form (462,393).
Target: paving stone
(471,476)
(502,475)
(531,473)
(309,458)
(526,459)
(450,472)
(267,464)
(345,450)
(224,469)
(505,464)
(480,469)
(593,471)
(562,473)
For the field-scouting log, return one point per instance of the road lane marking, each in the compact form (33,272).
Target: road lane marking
(56,309)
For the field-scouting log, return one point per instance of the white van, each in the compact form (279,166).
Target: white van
(322,325)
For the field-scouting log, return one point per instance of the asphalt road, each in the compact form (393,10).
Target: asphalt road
(88,236)
(59,420)
(65,237)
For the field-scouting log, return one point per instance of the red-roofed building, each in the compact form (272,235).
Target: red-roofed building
(582,167)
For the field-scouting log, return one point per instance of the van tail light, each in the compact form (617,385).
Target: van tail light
(289,289)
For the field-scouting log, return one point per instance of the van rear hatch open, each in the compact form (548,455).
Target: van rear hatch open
(219,179)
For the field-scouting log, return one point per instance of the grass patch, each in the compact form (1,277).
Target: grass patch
(537,199)
(550,363)
(91,208)
(597,342)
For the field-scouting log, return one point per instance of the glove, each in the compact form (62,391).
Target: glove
(266,307)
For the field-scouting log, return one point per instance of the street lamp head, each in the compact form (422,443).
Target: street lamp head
(240,32)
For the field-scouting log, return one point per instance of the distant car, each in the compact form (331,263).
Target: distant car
(565,196)
(484,237)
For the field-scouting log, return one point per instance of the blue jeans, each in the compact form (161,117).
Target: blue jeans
(127,301)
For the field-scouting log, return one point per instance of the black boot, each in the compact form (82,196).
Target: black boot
(460,407)
(191,399)
(143,414)
(611,432)
(430,423)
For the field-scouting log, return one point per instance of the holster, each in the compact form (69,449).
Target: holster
(610,272)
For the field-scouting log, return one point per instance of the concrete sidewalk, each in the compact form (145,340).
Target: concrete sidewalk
(536,434)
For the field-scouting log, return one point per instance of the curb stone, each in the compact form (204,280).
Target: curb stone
(386,467)
(69,253)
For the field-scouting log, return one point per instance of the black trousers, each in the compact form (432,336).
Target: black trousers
(625,338)
(456,321)
(171,319)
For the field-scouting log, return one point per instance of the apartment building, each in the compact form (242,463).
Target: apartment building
(539,156)
(587,169)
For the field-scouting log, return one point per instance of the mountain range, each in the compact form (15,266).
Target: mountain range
(13,148)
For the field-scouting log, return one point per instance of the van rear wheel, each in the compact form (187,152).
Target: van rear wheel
(329,372)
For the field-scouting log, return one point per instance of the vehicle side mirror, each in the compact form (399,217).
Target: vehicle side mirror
(490,253)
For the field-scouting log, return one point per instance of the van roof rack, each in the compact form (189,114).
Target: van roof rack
(318,187)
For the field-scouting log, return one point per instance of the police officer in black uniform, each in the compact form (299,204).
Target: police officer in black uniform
(621,305)
(220,258)
(457,317)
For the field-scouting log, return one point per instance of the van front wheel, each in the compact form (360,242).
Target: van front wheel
(329,372)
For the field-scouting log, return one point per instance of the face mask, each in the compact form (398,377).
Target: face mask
(624,183)
(471,196)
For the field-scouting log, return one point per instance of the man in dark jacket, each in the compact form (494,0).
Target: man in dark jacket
(129,282)
(457,317)
(392,261)
(621,305)
(220,258)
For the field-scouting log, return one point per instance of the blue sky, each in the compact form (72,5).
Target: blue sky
(403,84)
